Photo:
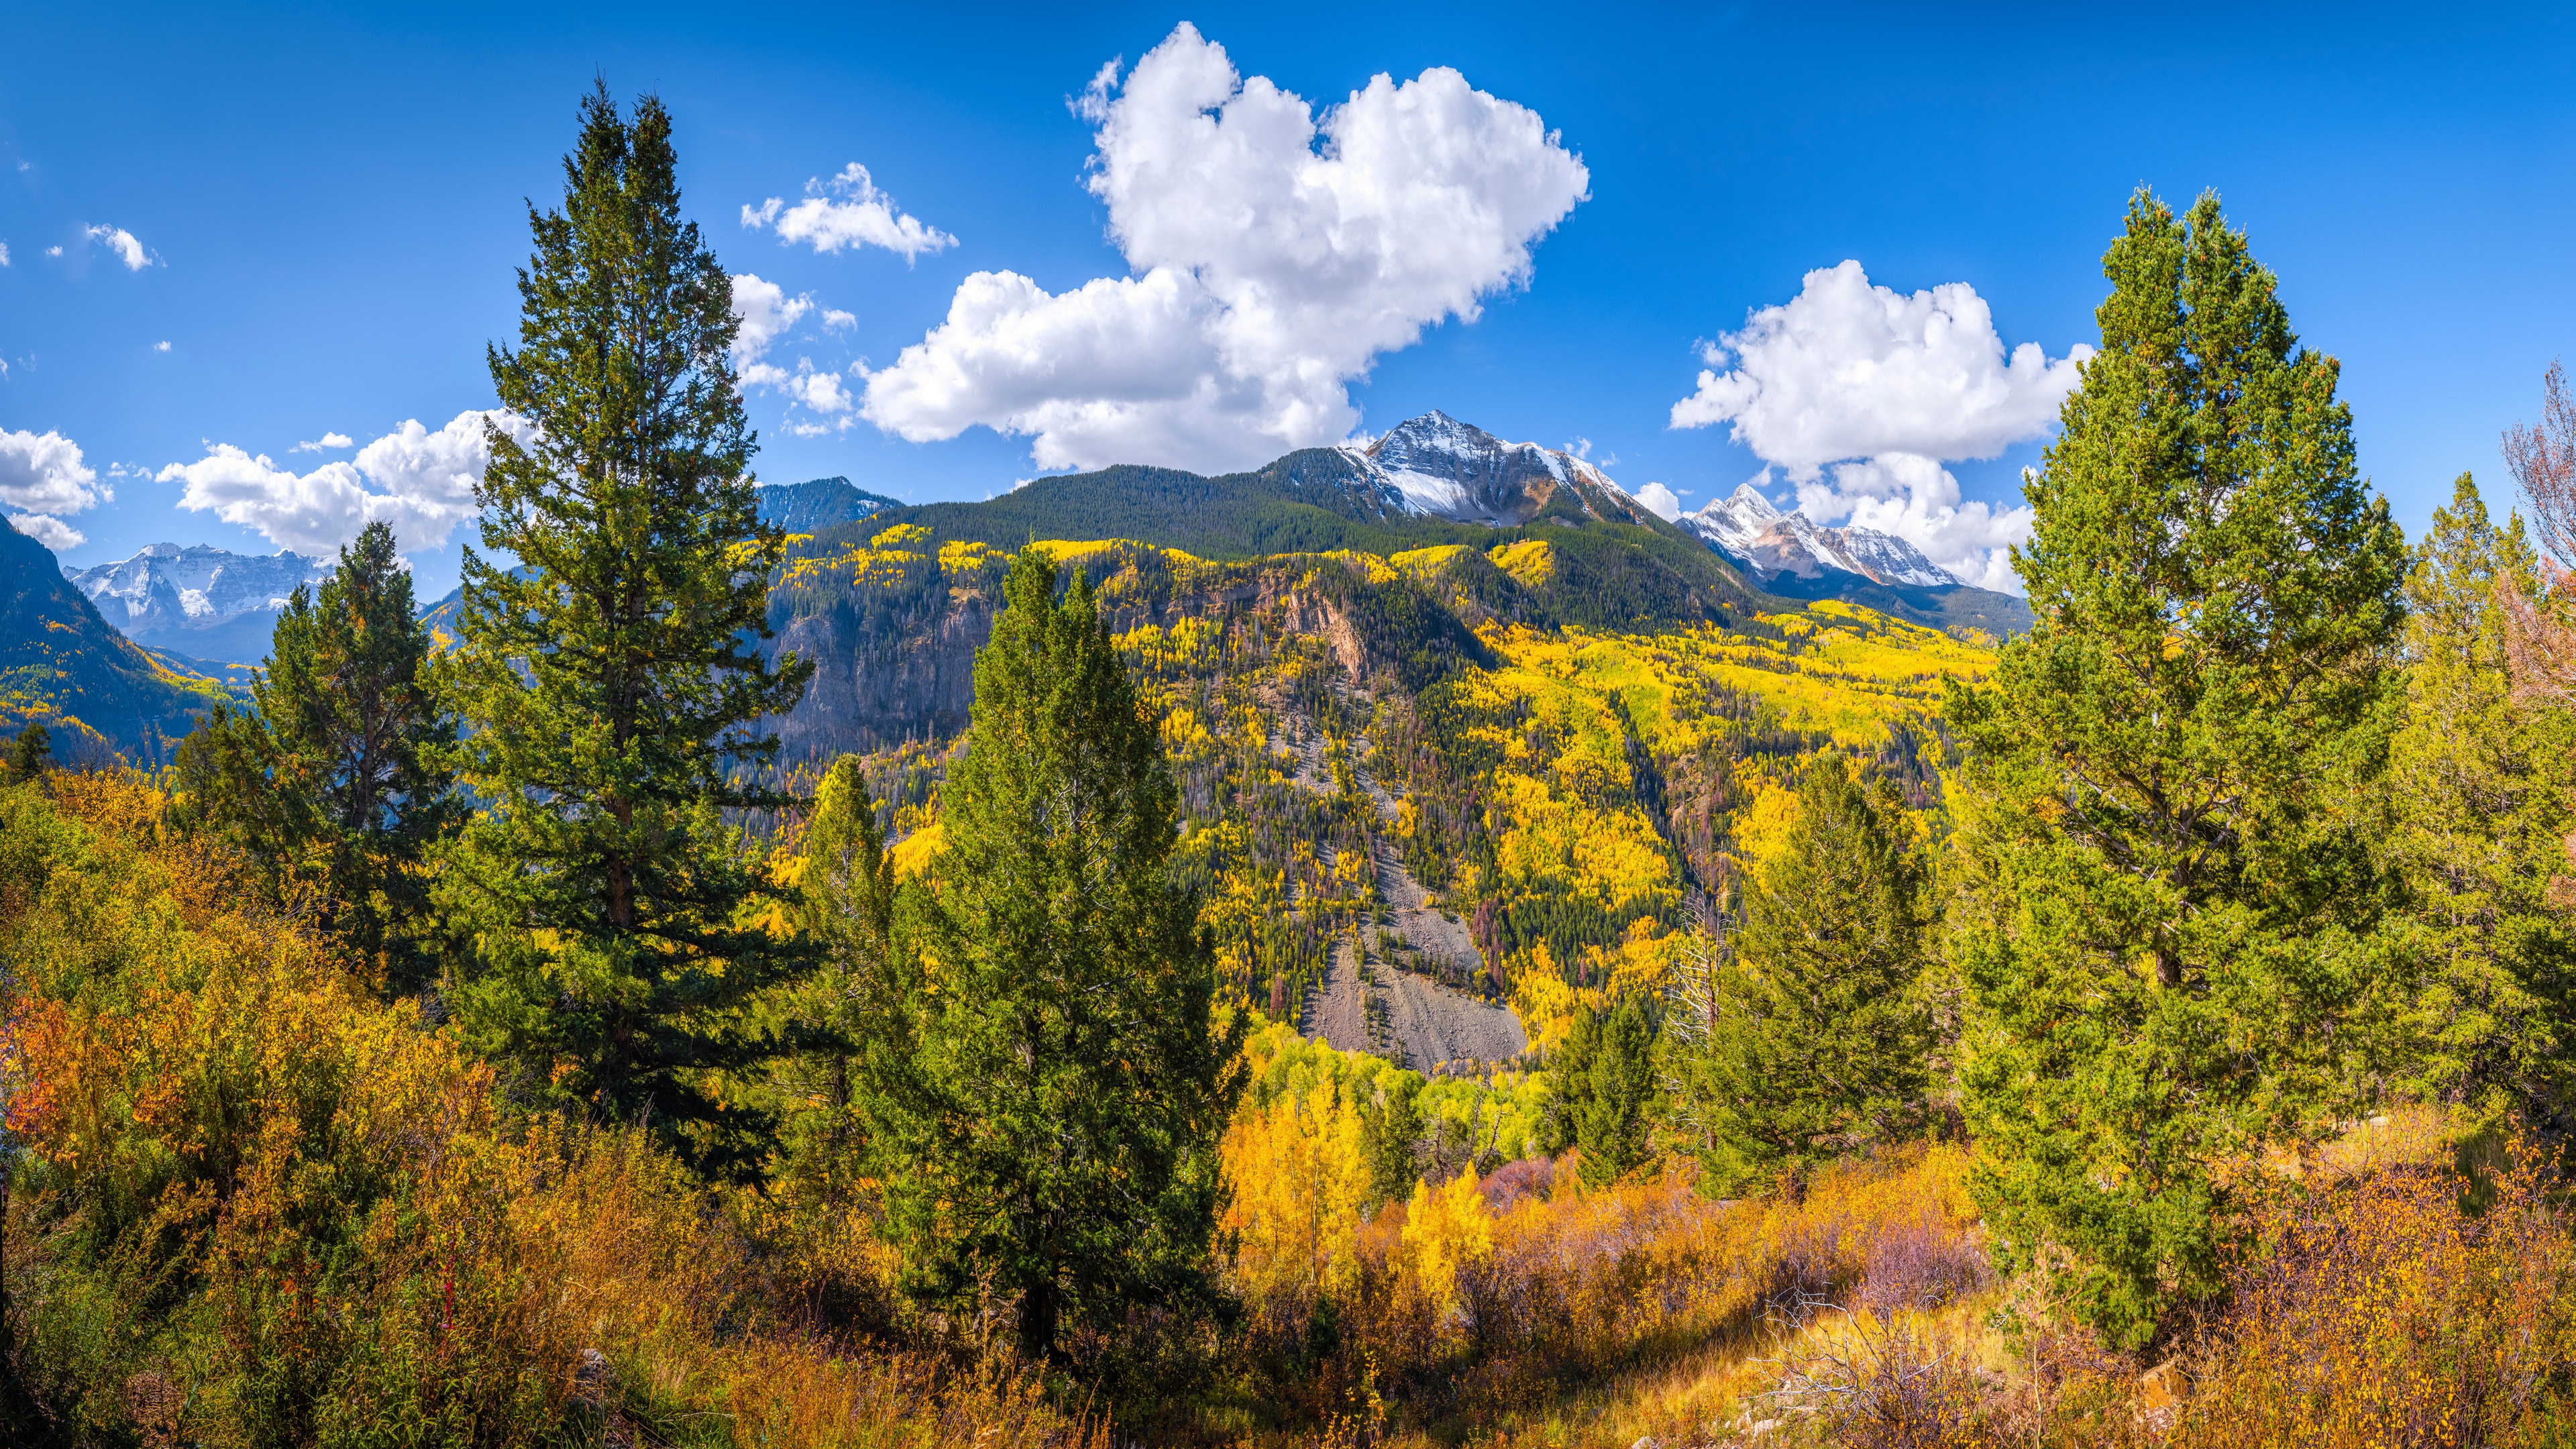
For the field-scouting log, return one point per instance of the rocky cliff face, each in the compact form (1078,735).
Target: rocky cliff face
(902,668)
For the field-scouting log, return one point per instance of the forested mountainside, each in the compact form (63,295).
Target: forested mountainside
(818,503)
(1410,763)
(64,667)
(1434,480)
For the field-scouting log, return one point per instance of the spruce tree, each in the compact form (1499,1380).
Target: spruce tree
(2478,784)
(1050,1101)
(2169,913)
(612,683)
(30,753)
(1610,1123)
(850,1017)
(1819,1033)
(334,783)
(1601,1080)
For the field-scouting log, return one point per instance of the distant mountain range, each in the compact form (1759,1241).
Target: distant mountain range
(1437,480)
(818,503)
(203,603)
(1768,544)
(204,615)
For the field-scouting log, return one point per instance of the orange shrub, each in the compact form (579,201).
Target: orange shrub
(2380,1310)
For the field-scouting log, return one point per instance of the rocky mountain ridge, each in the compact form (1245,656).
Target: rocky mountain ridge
(1758,538)
(200,601)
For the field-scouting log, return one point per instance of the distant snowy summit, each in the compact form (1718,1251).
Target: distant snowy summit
(1438,467)
(1767,543)
(1435,466)
(204,602)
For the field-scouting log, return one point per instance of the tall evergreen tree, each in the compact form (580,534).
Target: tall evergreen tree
(612,683)
(2478,783)
(335,784)
(1818,1030)
(1051,1104)
(2168,927)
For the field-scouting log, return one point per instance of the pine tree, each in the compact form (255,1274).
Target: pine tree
(1601,1080)
(2168,925)
(2478,781)
(30,753)
(334,783)
(612,683)
(1610,1123)
(1819,1029)
(1391,1131)
(849,1019)
(1053,1099)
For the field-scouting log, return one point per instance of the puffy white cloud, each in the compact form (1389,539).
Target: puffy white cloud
(1916,499)
(838,321)
(48,530)
(120,241)
(1860,393)
(847,211)
(1662,501)
(767,313)
(43,477)
(1850,370)
(328,442)
(1275,255)
(4,254)
(419,481)
(160,346)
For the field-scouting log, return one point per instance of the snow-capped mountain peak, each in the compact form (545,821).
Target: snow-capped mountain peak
(1438,466)
(1758,537)
(201,600)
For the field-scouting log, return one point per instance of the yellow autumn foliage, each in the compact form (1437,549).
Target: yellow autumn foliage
(1299,1184)
(1446,1229)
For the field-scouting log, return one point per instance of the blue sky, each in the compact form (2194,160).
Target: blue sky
(328,206)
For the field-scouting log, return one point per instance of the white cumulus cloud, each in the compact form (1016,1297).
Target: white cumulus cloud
(4,254)
(42,477)
(1275,254)
(120,241)
(418,480)
(767,313)
(847,211)
(327,443)
(1860,393)
(1661,501)
(48,530)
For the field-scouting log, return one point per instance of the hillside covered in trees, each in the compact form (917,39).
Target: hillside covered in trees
(1159,959)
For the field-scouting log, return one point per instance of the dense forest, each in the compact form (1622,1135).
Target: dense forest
(510,1025)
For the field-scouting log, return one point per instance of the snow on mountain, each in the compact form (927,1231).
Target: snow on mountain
(1767,543)
(200,601)
(1439,467)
